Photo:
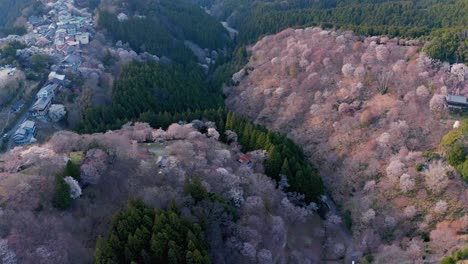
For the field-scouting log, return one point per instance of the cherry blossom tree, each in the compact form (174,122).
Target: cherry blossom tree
(407,183)
(436,177)
(75,189)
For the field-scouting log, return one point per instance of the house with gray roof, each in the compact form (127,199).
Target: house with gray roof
(25,133)
(456,103)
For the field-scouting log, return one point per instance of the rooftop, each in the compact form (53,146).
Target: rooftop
(28,124)
(41,103)
(20,132)
(452,98)
(244,158)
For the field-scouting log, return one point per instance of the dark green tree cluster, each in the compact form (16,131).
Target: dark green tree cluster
(195,24)
(393,18)
(11,10)
(165,27)
(9,51)
(454,144)
(449,45)
(142,234)
(284,157)
(91,4)
(397,18)
(156,93)
(73,170)
(199,193)
(40,62)
(62,199)
(226,66)
(13,31)
(457,255)
(146,35)
(164,119)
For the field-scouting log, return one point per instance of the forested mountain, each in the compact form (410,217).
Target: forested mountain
(161,27)
(372,115)
(200,204)
(239,155)
(11,10)
(395,18)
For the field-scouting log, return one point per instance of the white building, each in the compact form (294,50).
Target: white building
(41,107)
(82,38)
(56,78)
(47,91)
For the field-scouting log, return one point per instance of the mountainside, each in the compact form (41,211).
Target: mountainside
(311,146)
(10,11)
(245,218)
(444,23)
(370,112)
(164,28)
(395,17)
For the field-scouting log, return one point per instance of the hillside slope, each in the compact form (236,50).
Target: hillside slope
(246,219)
(395,17)
(365,110)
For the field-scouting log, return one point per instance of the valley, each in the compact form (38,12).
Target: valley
(220,131)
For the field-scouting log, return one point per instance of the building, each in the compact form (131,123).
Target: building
(456,103)
(83,38)
(47,91)
(56,78)
(72,60)
(245,159)
(41,107)
(25,133)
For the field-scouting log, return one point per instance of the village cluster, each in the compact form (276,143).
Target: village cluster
(60,34)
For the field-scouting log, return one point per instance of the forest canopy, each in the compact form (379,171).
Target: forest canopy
(161,28)
(142,234)
(152,88)
(425,19)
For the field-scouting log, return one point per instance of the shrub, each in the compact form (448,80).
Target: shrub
(367,259)
(419,166)
(430,155)
(448,260)
(459,254)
